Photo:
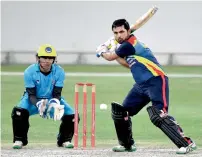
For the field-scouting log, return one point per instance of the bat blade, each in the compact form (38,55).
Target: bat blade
(144,18)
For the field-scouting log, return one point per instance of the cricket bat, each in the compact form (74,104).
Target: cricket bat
(138,24)
(143,19)
(111,43)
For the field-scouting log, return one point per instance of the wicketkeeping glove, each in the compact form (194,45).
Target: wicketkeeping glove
(42,106)
(55,110)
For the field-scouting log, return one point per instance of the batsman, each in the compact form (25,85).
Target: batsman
(43,83)
(151,85)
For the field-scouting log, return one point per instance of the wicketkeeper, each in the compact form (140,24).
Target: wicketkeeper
(43,83)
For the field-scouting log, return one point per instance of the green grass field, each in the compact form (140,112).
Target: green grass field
(185,106)
(108,68)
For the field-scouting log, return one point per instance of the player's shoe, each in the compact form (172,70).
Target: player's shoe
(120,148)
(68,145)
(17,145)
(188,149)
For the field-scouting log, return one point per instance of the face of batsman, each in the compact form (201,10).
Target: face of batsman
(121,34)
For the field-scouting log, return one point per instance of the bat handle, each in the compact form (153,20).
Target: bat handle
(97,55)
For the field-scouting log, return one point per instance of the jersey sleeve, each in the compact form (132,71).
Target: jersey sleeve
(28,81)
(125,49)
(61,78)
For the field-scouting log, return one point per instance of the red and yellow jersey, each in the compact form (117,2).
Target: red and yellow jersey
(142,62)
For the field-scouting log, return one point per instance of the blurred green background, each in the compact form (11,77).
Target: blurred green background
(185,106)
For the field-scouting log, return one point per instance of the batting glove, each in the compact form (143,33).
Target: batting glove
(42,106)
(101,49)
(55,111)
(112,44)
(109,46)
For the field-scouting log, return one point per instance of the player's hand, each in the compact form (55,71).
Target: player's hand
(42,105)
(101,49)
(109,46)
(112,44)
(55,109)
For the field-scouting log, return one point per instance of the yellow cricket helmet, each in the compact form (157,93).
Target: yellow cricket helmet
(46,50)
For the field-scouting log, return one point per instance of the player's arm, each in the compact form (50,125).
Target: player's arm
(122,62)
(55,109)
(57,90)
(125,49)
(110,56)
(32,95)
(31,90)
(30,87)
